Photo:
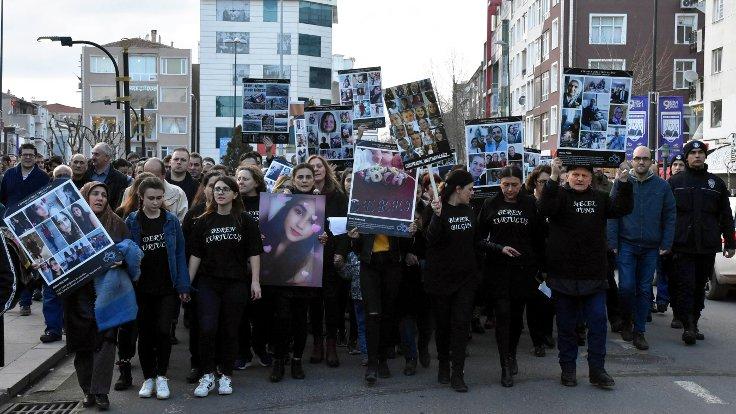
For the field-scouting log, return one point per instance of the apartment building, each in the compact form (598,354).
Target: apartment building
(719,52)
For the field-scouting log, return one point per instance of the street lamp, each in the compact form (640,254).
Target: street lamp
(507,71)
(69,42)
(235,42)
(195,126)
(665,150)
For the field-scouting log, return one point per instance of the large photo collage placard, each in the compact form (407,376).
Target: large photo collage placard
(416,124)
(329,131)
(266,110)
(493,143)
(361,88)
(58,230)
(595,106)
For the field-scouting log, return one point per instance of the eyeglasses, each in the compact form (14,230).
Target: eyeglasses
(221,190)
(27,155)
(641,159)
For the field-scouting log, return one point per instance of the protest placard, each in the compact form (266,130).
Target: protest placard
(329,131)
(361,88)
(266,110)
(493,143)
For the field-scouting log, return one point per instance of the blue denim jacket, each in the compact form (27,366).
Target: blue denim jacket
(652,222)
(174,248)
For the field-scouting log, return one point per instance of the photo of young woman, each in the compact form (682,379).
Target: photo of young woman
(327,123)
(67,227)
(292,253)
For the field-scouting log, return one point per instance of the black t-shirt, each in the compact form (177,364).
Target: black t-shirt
(155,275)
(188,184)
(225,244)
(252,206)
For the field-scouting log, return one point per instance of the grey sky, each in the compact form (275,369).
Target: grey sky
(410,39)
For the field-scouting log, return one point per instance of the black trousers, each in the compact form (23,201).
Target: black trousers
(127,338)
(220,306)
(155,313)
(612,296)
(379,282)
(290,321)
(95,368)
(509,319)
(540,314)
(452,315)
(687,284)
(255,327)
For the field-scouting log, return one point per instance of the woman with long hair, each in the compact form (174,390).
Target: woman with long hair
(259,313)
(291,302)
(451,278)
(513,238)
(334,288)
(84,219)
(67,228)
(132,203)
(204,196)
(226,245)
(164,281)
(94,348)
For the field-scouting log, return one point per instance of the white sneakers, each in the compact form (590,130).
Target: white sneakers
(146,389)
(206,384)
(162,388)
(225,385)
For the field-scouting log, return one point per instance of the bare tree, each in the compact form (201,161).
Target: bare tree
(74,134)
(448,100)
(640,63)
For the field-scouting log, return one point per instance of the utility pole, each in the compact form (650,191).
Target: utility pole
(653,95)
(142,131)
(126,98)
(281,41)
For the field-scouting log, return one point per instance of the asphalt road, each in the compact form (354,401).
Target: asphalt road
(670,377)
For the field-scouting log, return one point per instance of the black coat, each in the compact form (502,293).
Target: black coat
(703,213)
(116,183)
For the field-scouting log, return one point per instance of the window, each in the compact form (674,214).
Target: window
(142,67)
(686,26)
(310,45)
(104,124)
(101,64)
(224,106)
(270,10)
(678,78)
(717,11)
(176,95)
(173,125)
(233,10)
(273,72)
(149,125)
(143,96)
(537,91)
(716,113)
(555,34)
(315,13)
(320,78)
(284,46)
(545,9)
(716,58)
(553,120)
(545,126)
(555,2)
(554,74)
(609,64)
(174,66)
(226,42)
(607,29)
(325,101)
(102,92)
(242,71)
(545,45)
(545,86)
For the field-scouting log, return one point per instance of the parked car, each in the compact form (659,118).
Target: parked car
(723,279)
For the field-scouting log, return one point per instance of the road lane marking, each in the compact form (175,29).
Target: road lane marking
(700,392)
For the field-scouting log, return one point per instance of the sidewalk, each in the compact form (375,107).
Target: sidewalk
(26,357)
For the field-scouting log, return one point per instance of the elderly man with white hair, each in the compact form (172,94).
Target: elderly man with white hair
(62,171)
(101,170)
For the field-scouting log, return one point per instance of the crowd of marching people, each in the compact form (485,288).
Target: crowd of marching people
(547,248)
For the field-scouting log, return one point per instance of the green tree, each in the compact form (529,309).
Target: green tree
(235,149)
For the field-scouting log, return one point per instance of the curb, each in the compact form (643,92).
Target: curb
(16,376)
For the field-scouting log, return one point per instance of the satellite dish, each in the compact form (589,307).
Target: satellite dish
(690,75)
(522,99)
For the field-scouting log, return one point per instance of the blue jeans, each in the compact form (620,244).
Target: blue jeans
(567,309)
(53,313)
(360,321)
(636,267)
(664,268)
(26,297)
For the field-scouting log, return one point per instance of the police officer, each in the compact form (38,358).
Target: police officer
(703,217)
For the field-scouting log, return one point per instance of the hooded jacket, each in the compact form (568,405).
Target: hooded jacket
(651,224)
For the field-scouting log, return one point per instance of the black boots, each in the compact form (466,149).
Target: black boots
(688,336)
(509,368)
(600,378)
(318,351)
(371,374)
(331,354)
(568,377)
(411,367)
(699,336)
(457,380)
(277,371)
(125,380)
(297,372)
(640,342)
(102,402)
(443,373)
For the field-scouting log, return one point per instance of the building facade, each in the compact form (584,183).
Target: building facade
(161,85)
(532,41)
(719,52)
(264,37)
(24,121)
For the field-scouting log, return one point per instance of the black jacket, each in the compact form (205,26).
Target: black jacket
(703,213)
(116,183)
(576,247)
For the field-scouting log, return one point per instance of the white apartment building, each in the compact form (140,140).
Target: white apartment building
(250,31)
(719,49)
